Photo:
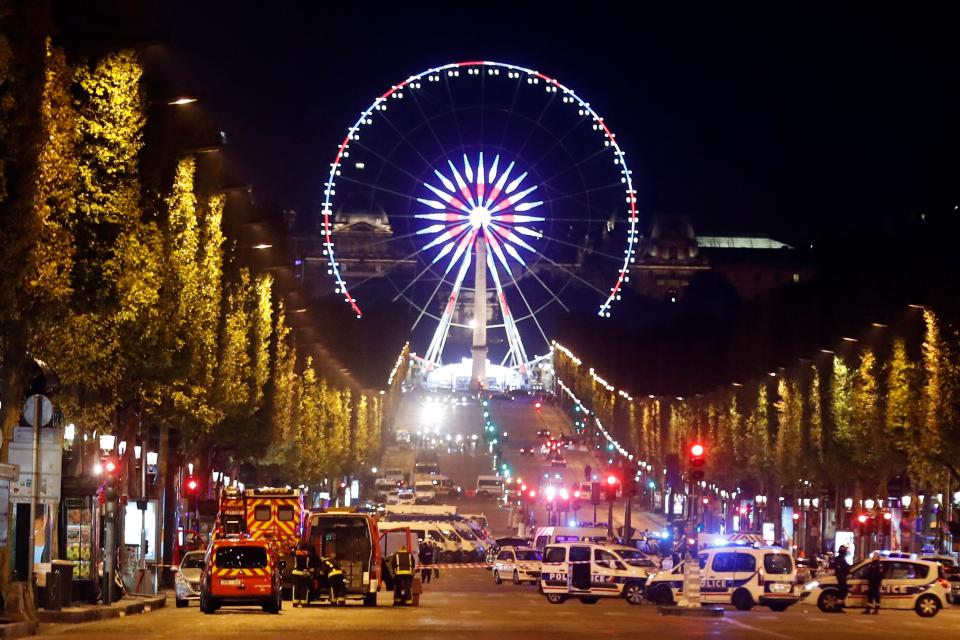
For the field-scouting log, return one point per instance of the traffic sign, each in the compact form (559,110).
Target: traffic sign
(30,410)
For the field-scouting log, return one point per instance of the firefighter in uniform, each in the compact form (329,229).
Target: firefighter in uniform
(301,576)
(331,570)
(401,565)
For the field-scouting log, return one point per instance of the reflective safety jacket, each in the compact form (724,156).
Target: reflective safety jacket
(301,562)
(401,563)
(330,568)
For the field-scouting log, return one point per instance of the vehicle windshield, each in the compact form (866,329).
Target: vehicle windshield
(635,557)
(490,483)
(778,563)
(192,561)
(466,533)
(240,558)
(450,534)
(529,555)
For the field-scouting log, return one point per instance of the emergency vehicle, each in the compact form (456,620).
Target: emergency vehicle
(550,535)
(736,574)
(589,571)
(353,540)
(273,514)
(920,585)
(240,571)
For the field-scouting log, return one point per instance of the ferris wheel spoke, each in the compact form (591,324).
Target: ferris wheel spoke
(405,139)
(510,111)
(558,142)
(429,122)
(453,108)
(576,165)
(376,187)
(386,160)
(519,290)
(571,274)
(574,245)
(543,112)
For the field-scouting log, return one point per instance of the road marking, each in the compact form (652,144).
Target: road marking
(614,613)
(744,625)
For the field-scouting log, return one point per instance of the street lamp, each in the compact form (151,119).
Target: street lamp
(182,100)
(107,442)
(848,503)
(905,502)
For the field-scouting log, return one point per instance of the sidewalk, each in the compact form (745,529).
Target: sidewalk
(128,606)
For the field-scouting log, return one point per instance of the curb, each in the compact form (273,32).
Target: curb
(18,629)
(696,612)
(94,614)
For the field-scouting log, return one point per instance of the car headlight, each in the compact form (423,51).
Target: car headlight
(810,586)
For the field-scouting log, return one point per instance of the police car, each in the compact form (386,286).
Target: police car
(589,571)
(907,584)
(743,576)
(521,564)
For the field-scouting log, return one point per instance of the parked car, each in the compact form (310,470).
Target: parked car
(519,564)
(187,578)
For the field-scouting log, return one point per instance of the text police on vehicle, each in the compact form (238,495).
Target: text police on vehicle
(738,575)
(907,584)
(589,571)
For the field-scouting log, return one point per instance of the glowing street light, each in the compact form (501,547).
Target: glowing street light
(181,101)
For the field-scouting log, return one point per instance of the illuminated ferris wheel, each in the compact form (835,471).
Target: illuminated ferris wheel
(505,199)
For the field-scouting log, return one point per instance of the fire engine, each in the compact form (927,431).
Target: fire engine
(274,514)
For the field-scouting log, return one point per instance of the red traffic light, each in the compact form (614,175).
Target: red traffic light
(537,404)
(532,493)
(887,515)
(192,484)
(523,487)
(109,466)
(612,480)
(862,518)
(697,450)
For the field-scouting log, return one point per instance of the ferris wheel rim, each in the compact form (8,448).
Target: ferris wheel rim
(343,151)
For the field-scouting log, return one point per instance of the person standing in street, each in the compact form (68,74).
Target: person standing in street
(301,576)
(874,583)
(841,569)
(331,569)
(402,567)
(426,562)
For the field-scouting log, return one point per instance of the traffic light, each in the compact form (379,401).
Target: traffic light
(191,486)
(862,519)
(537,406)
(595,491)
(110,469)
(610,488)
(697,459)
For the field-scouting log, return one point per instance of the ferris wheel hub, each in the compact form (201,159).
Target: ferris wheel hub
(479,217)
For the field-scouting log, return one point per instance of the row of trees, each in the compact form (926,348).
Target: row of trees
(138,304)
(880,408)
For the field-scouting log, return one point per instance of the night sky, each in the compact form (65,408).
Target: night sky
(757,122)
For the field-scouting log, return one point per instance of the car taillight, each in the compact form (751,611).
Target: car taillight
(944,583)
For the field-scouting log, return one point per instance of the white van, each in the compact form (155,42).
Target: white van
(741,576)
(382,487)
(589,571)
(551,535)
(424,492)
(451,551)
(490,486)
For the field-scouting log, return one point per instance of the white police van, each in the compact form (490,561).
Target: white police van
(907,584)
(739,575)
(589,571)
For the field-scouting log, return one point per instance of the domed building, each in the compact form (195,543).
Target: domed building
(671,254)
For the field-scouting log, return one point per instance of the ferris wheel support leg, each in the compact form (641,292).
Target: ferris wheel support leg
(435,350)
(513,335)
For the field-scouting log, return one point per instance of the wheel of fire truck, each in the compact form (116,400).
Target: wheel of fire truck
(207,604)
(370,600)
(275,604)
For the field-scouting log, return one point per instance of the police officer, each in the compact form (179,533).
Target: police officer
(841,569)
(402,566)
(331,570)
(426,560)
(301,575)
(874,582)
